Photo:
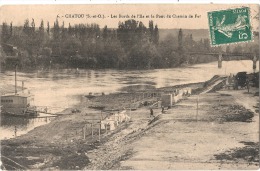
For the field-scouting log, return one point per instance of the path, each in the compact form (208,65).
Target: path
(177,141)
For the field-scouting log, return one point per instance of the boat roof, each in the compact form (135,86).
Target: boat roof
(17,95)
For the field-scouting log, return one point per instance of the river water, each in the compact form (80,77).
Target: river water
(60,89)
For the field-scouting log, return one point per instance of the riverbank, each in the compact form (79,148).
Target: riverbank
(64,135)
(60,144)
(224,134)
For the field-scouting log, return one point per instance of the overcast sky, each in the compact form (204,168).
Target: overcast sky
(18,13)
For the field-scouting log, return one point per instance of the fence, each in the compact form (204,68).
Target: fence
(108,121)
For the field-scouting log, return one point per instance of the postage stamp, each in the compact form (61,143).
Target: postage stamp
(230,26)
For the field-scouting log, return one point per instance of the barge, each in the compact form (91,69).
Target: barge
(18,104)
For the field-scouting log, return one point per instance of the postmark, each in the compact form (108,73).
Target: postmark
(230,26)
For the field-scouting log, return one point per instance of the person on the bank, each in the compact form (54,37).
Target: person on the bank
(247,84)
(162,109)
(151,113)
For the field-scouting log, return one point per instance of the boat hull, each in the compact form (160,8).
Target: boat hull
(22,112)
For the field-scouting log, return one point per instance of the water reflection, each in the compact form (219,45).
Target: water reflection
(12,126)
(13,121)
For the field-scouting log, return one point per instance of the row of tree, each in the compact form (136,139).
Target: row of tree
(131,45)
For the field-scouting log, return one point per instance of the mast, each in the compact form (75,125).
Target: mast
(15,90)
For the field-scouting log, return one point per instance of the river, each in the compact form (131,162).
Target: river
(60,89)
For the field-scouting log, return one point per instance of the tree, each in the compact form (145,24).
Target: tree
(5,33)
(56,30)
(63,31)
(206,44)
(151,30)
(141,33)
(237,49)
(131,45)
(128,33)
(156,35)
(41,28)
(11,29)
(26,27)
(25,59)
(191,41)
(48,28)
(70,30)
(114,34)
(56,41)
(105,33)
(71,47)
(180,41)
(228,49)
(41,34)
(32,27)
(2,57)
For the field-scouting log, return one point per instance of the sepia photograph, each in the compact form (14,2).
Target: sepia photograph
(129,87)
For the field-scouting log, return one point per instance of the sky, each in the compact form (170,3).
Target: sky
(18,13)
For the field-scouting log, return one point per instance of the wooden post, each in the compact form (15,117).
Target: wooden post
(84,132)
(197,112)
(130,114)
(92,129)
(99,131)
(106,127)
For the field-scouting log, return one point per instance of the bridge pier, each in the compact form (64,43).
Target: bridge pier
(220,60)
(254,62)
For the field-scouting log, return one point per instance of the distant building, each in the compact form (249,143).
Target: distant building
(10,50)
(11,54)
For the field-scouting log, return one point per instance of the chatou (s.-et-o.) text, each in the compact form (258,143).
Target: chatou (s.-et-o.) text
(81,16)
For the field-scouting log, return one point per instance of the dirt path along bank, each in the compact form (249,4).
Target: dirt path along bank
(225,135)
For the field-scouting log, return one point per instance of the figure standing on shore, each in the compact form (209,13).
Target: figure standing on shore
(15,131)
(162,109)
(151,113)
(247,84)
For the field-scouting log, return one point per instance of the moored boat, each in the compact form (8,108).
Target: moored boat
(18,103)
